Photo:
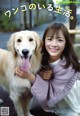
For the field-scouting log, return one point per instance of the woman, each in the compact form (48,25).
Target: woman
(57,85)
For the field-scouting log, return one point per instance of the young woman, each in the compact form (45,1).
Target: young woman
(57,86)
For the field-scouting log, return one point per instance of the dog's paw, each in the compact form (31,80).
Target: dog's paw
(30,114)
(1,101)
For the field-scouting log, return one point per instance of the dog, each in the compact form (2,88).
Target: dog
(24,50)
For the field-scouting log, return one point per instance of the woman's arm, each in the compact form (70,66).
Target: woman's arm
(45,74)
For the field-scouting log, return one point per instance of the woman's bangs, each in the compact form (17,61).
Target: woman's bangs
(51,32)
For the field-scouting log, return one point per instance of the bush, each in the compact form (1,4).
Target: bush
(6,23)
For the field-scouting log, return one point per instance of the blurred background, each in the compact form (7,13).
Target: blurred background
(36,15)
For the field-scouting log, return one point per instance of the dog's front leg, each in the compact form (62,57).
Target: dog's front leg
(25,101)
(17,104)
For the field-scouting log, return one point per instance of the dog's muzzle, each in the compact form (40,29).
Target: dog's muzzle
(25,53)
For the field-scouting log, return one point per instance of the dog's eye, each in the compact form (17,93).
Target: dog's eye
(19,40)
(30,39)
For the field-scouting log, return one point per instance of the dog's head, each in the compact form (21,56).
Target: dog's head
(24,44)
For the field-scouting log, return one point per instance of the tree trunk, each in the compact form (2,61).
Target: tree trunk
(73,22)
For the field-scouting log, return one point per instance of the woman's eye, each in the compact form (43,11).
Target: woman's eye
(60,40)
(30,39)
(49,39)
(19,40)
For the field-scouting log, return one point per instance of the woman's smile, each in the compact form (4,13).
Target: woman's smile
(53,49)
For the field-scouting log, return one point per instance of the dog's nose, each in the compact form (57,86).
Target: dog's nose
(25,52)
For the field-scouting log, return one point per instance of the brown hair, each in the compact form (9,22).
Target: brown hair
(68,53)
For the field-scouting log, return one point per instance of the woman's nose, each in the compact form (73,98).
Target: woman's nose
(54,42)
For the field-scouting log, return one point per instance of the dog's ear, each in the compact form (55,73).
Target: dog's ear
(39,42)
(10,43)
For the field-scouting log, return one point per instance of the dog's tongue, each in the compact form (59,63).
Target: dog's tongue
(25,64)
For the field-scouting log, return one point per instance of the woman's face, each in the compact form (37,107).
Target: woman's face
(55,45)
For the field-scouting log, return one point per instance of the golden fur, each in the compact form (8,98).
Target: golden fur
(15,85)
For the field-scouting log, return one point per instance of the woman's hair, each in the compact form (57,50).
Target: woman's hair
(68,52)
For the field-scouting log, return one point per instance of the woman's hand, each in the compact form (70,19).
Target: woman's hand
(46,74)
(24,74)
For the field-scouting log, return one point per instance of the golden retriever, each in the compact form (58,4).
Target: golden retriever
(24,51)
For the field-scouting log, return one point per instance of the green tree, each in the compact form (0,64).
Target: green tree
(37,10)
